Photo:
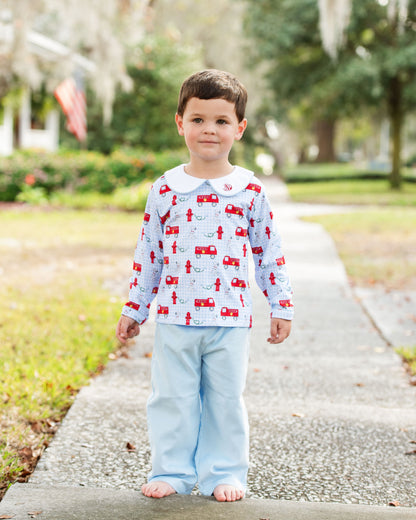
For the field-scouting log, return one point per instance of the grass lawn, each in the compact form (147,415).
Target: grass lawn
(60,299)
(360,192)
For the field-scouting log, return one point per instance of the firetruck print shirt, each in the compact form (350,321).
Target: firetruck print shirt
(193,252)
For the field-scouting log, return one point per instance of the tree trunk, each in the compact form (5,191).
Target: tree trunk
(396,119)
(325,133)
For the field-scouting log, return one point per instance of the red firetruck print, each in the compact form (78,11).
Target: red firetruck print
(234,210)
(208,302)
(285,303)
(241,232)
(235,282)
(162,310)
(225,311)
(146,217)
(257,250)
(280,261)
(133,305)
(254,187)
(166,260)
(172,280)
(205,250)
(212,198)
(164,189)
(165,217)
(172,230)
(235,262)
(137,267)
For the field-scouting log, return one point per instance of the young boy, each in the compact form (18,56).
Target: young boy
(192,252)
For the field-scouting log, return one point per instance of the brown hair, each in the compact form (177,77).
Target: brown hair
(214,84)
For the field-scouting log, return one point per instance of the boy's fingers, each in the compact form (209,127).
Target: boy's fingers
(133,330)
(122,330)
(279,330)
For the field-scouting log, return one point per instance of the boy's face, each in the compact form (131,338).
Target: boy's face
(210,127)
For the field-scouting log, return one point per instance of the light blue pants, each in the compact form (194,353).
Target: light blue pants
(197,419)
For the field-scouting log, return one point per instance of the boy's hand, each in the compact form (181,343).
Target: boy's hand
(279,330)
(127,328)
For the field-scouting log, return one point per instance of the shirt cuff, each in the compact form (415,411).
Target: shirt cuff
(133,310)
(282,310)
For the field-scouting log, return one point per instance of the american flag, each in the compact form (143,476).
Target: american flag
(71,97)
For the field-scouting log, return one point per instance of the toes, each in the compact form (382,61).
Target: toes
(228,493)
(157,489)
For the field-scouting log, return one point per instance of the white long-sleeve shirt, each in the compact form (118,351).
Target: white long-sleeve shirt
(192,252)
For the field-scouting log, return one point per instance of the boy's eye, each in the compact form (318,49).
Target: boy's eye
(197,120)
(222,122)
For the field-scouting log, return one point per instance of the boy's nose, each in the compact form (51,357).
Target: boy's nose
(209,128)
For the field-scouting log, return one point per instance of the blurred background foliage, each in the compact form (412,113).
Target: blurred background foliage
(305,106)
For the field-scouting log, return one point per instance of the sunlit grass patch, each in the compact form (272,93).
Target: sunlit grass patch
(409,356)
(53,339)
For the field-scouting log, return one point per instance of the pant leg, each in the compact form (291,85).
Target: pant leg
(174,409)
(223,447)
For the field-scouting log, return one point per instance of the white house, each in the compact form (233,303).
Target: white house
(28,137)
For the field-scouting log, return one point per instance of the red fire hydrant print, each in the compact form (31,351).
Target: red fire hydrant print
(188,266)
(267,231)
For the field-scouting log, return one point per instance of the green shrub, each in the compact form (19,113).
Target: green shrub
(131,198)
(79,172)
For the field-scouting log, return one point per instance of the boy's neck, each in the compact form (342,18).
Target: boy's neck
(208,170)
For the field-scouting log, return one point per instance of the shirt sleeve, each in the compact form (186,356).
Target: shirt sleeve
(147,264)
(270,266)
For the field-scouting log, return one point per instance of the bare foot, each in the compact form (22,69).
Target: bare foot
(228,493)
(157,489)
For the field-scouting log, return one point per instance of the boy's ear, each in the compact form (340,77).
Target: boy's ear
(179,123)
(242,125)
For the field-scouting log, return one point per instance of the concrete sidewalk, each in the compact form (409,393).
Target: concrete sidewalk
(333,418)
(26,501)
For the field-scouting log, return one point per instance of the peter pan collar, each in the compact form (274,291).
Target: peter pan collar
(178,180)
